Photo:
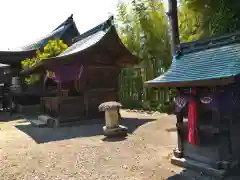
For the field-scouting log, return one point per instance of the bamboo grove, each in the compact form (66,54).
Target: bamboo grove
(144,29)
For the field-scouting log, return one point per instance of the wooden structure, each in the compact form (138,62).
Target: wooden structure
(85,75)
(4,70)
(206,76)
(66,31)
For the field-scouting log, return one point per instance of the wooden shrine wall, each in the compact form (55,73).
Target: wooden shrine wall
(102,77)
(101,86)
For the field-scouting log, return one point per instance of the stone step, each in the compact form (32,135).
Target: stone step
(45,119)
(37,122)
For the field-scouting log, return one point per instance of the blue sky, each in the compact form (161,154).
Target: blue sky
(23,21)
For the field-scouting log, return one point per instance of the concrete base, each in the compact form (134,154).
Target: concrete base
(37,123)
(49,121)
(120,130)
(199,167)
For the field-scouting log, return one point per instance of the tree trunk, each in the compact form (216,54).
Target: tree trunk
(173,21)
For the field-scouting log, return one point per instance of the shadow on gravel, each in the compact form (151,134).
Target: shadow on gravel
(77,130)
(115,138)
(190,175)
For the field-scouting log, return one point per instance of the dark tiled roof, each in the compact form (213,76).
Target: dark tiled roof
(88,38)
(86,42)
(211,59)
(55,34)
(65,31)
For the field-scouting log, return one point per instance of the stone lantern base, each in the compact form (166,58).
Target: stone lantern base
(120,130)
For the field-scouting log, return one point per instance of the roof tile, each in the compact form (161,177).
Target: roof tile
(214,63)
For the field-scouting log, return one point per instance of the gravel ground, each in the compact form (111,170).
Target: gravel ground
(82,153)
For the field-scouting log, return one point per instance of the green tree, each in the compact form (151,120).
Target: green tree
(52,49)
(217,17)
(143,28)
(189,24)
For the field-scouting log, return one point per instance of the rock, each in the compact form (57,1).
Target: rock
(125,166)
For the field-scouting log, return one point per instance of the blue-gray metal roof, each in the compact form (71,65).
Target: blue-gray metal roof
(220,60)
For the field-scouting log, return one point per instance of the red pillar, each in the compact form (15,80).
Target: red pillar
(193,137)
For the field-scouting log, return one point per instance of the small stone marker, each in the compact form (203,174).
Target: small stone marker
(112,117)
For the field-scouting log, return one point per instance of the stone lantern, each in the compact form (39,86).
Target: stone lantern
(112,117)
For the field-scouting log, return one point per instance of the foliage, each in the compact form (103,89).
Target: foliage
(217,16)
(52,49)
(143,28)
(189,24)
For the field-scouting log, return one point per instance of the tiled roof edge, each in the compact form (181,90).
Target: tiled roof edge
(214,42)
(67,21)
(94,30)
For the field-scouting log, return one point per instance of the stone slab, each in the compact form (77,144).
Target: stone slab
(37,123)
(197,166)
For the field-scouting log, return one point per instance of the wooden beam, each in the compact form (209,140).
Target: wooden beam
(102,67)
(178,152)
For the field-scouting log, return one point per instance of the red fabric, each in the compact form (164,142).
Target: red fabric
(193,137)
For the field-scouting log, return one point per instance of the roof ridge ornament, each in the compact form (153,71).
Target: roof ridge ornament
(101,27)
(178,51)
(67,21)
(111,19)
(108,23)
(212,42)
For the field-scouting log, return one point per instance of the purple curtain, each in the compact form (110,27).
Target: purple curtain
(67,73)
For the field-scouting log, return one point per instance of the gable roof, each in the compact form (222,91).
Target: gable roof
(103,37)
(65,31)
(209,62)
(88,38)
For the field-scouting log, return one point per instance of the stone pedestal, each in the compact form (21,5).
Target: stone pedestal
(119,130)
(111,118)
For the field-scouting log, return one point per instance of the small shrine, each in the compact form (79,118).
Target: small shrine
(205,75)
(85,75)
